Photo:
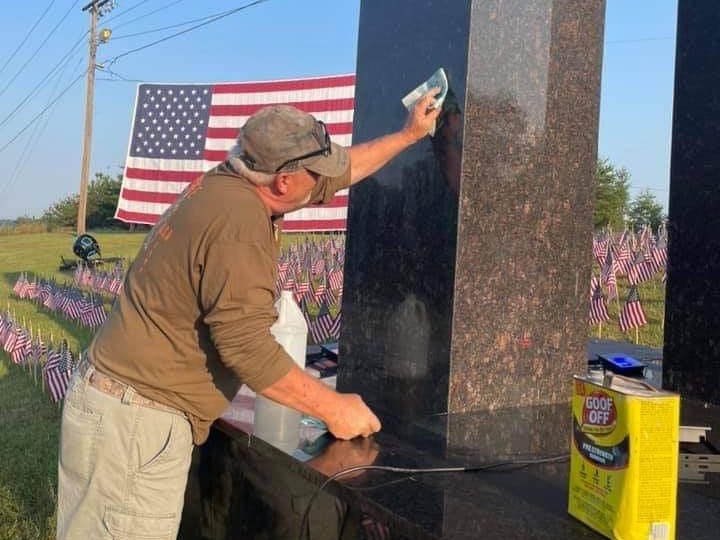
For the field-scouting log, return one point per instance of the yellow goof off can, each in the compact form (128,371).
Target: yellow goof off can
(624,458)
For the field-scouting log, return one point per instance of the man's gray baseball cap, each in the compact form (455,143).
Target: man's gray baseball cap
(283,138)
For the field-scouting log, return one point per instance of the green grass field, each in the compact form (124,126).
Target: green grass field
(652,298)
(30,423)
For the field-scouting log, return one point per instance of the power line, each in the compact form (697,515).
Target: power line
(18,164)
(153,30)
(39,84)
(27,36)
(119,78)
(110,79)
(144,15)
(166,38)
(36,133)
(38,115)
(38,49)
(127,10)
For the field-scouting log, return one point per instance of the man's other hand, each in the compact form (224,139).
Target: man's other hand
(352,418)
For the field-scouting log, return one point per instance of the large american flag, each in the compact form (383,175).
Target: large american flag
(181,130)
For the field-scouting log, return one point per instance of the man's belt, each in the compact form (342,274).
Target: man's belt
(113,387)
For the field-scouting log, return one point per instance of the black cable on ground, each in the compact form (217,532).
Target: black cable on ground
(502,465)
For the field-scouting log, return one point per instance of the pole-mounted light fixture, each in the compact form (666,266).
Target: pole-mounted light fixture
(104,35)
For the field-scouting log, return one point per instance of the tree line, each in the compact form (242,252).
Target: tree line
(103,193)
(613,207)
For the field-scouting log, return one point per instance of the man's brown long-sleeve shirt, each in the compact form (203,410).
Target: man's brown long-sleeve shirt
(192,322)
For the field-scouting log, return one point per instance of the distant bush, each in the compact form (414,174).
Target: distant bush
(24,226)
(103,193)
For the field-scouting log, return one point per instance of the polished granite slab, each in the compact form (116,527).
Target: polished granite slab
(466,255)
(242,487)
(692,313)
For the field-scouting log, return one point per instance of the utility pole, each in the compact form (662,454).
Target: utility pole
(94,8)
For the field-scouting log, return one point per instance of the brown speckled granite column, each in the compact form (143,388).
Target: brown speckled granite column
(691,358)
(467,268)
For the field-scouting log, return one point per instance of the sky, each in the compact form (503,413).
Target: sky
(43,57)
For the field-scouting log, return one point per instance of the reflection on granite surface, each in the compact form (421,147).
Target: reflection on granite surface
(510,433)
(242,487)
(249,493)
(692,309)
(466,255)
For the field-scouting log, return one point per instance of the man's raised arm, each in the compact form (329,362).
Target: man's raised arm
(368,157)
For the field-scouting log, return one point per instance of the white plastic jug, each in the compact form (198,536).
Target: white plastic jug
(275,423)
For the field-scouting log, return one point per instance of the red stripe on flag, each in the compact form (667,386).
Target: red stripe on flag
(288,225)
(307,106)
(222,133)
(136,217)
(339,128)
(149,196)
(214,155)
(339,201)
(315,225)
(278,86)
(162,176)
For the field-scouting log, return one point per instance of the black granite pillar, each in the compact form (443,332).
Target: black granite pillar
(467,267)
(691,358)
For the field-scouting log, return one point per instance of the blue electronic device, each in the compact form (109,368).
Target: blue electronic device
(621,364)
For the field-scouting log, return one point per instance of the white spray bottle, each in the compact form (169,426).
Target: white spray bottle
(275,423)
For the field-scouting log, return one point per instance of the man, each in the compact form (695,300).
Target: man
(193,323)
